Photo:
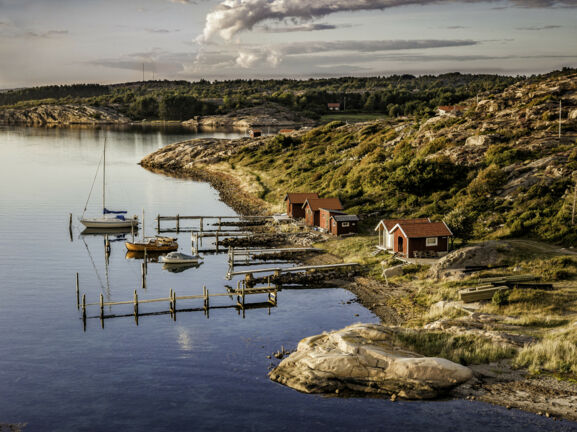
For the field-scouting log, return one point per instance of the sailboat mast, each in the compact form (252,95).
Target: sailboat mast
(104,178)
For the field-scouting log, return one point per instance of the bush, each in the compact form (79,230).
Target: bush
(501,297)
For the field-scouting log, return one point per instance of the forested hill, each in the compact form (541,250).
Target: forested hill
(499,169)
(396,95)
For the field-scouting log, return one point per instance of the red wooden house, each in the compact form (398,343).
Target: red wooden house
(341,224)
(325,218)
(312,209)
(386,225)
(421,240)
(294,203)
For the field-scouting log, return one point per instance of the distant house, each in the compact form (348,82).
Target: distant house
(294,203)
(341,224)
(253,133)
(312,209)
(421,240)
(286,131)
(450,110)
(386,225)
(334,106)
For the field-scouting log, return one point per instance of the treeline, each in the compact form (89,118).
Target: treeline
(395,95)
(58,92)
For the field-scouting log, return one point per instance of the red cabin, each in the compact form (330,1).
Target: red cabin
(312,209)
(294,203)
(421,240)
(342,224)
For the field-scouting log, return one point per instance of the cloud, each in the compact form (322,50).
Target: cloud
(160,30)
(233,16)
(273,55)
(44,35)
(455,27)
(539,28)
(308,27)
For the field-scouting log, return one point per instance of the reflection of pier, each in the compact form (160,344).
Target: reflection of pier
(241,292)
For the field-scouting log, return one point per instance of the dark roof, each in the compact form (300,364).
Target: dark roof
(390,223)
(345,218)
(300,198)
(433,229)
(332,211)
(325,203)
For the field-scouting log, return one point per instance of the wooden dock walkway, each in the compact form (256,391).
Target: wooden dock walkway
(280,270)
(201,220)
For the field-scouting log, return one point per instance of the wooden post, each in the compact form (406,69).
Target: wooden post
(170,308)
(135,303)
(158,223)
(217,241)
(201,224)
(77,291)
(174,304)
(70,226)
(101,306)
(84,305)
(177,223)
(143,271)
(195,244)
(219,222)
(145,261)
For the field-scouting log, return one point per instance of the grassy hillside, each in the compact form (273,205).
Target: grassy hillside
(498,170)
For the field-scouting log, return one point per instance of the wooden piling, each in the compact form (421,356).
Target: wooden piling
(143,271)
(135,303)
(201,224)
(170,307)
(158,223)
(219,222)
(101,306)
(70,226)
(77,291)
(177,223)
(84,305)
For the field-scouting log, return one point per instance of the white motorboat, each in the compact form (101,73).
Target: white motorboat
(110,218)
(179,258)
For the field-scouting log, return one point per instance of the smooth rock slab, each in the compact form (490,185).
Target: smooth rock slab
(361,358)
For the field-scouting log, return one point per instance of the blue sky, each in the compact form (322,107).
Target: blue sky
(108,41)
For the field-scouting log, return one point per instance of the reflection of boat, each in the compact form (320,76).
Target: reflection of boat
(177,268)
(109,218)
(150,256)
(100,231)
(153,244)
(179,258)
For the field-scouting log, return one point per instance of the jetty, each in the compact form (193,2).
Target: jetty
(279,270)
(201,219)
(241,292)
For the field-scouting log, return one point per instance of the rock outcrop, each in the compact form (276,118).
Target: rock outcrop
(362,358)
(61,115)
(270,114)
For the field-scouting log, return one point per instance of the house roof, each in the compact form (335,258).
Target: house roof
(332,211)
(390,223)
(345,218)
(325,203)
(299,198)
(449,108)
(334,104)
(433,229)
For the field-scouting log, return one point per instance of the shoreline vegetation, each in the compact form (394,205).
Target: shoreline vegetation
(504,188)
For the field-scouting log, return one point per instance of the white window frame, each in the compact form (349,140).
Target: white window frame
(431,241)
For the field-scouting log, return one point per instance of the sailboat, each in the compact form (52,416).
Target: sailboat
(110,219)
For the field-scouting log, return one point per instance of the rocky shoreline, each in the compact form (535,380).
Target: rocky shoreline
(496,383)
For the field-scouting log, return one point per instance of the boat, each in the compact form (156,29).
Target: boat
(153,244)
(110,219)
(179,258)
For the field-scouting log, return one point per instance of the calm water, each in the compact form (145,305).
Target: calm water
(192,374)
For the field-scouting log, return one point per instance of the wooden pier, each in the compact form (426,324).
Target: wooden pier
(201,220)
(241,292)
(279,270)
(242,256)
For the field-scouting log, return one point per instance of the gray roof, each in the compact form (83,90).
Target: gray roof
(346,218)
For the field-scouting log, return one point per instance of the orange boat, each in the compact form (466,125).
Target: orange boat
(153,244)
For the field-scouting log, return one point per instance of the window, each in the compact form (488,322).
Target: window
(432,241)
(345,224)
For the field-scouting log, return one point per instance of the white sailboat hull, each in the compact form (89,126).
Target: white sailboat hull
(108,222)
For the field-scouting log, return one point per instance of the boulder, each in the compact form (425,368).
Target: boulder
(479,140)
(362,358)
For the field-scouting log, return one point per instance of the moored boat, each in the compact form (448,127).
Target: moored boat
(153,244)
(179,258)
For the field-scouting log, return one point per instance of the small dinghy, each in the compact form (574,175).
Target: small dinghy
(179,258)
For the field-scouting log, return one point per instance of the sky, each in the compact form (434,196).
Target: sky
(111,41)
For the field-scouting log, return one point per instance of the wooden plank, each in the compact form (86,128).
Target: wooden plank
(292,269)
(473,294)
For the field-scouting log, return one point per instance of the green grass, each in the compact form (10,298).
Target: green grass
(464,349)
